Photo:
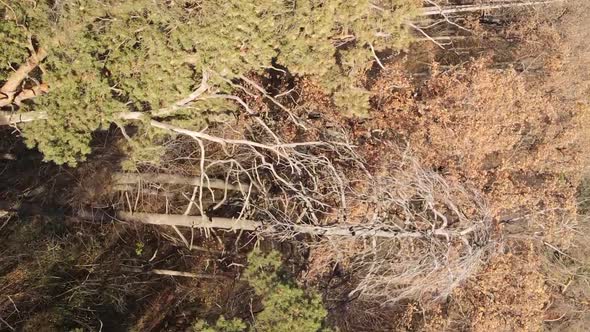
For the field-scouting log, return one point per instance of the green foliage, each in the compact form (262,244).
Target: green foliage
(261,272)
(139,248)
(105,57)
(147,147)
(242,33)
(221,325)
(144,46)
(287,307)
(80,101)
(303,35)
(355,99)
(13,49)
(110,56)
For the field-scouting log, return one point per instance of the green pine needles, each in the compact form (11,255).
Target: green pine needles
(287,307)
(111,56)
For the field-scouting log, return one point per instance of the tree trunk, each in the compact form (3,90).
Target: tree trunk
(376,231)
(11,118)
(195,181)
(429,11)
(189,221)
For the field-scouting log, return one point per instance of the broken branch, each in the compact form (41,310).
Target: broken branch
(9,91)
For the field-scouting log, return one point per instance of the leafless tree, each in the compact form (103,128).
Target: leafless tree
(419,236)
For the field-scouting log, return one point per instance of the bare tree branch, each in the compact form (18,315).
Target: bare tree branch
(163,112)
(11,118)
(173,273)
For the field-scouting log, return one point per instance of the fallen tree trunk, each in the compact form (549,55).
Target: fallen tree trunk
(195,181)
(376,231)
(436,10)
(173,273)
(11,118)
(189,221)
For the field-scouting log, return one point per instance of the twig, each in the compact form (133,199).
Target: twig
(8,325)
(376,57)
(173,273)
(425,34)
(163,112)
(13,304)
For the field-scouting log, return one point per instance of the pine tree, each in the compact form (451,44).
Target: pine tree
(111,56)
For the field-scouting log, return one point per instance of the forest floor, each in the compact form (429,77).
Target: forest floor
(509,119)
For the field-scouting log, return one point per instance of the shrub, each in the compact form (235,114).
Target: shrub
(221,325)
(287,307)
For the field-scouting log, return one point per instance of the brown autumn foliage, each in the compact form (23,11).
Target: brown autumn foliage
(517,134)
(518,145)
(509,294)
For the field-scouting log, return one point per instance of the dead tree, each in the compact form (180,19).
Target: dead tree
(418,237)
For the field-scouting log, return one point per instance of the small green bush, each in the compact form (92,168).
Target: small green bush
(287,307)
(221,325)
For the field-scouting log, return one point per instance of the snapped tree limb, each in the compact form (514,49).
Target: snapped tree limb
(9,92)
(360,231)
(12,118)
(173,273)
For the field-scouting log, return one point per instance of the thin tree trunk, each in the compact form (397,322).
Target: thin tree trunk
(376,231)
(189,221)
(429,11)
(173,273)
(11,118)
(132,178)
